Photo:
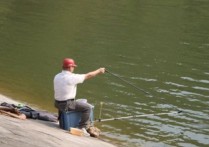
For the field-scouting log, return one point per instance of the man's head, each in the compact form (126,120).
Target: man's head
(69,64)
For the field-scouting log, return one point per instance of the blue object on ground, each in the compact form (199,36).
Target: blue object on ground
(71,119)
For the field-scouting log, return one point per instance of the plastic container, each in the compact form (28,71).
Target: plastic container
(71,119)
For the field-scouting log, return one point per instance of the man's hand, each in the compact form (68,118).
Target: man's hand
(102,70)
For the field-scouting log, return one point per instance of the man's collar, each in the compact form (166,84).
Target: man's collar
(66,71)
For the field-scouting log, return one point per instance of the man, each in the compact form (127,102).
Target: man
(65,87)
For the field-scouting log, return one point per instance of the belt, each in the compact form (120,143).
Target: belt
(64,101)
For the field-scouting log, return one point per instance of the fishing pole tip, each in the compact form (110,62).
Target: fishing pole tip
(179,111)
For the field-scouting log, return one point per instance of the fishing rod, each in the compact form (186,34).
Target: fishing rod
(136,116)
(133,116)
(127,82)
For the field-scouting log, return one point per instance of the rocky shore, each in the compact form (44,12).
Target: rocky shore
(36,133)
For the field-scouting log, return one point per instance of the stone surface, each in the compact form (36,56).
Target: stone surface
(36,133)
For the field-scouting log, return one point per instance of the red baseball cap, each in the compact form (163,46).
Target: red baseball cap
(68,62)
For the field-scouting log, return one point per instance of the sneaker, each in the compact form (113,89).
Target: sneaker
(85,133)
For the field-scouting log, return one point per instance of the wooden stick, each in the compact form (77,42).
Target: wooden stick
(20,116)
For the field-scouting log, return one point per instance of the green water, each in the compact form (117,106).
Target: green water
(160,46)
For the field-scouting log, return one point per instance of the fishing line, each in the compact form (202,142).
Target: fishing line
(128,82)
(136,116)
(133,116)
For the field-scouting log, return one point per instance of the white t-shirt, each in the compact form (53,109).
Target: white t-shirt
(65,85)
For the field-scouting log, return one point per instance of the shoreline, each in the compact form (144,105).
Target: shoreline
(38,133)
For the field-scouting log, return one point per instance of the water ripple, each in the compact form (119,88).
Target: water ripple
(201,88)
(116,84)
(194,80)
(175,84)
(200,138)
(148,80)
(179,93)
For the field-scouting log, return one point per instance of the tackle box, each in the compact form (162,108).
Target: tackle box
(71,119)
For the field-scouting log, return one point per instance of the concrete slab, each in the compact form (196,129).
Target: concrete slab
(36,133)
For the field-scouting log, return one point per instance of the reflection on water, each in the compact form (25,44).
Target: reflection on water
(161,47)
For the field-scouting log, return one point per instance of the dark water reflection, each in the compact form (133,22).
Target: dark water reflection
(159,46)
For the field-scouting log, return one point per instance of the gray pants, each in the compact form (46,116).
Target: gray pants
(72,105)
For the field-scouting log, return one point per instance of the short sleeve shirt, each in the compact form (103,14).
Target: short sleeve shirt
(65,85)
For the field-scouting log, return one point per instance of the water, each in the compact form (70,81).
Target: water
(159,46)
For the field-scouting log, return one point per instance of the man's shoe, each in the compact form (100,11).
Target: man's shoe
(85,133)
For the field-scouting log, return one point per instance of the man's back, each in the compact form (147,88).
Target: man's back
(65,85)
